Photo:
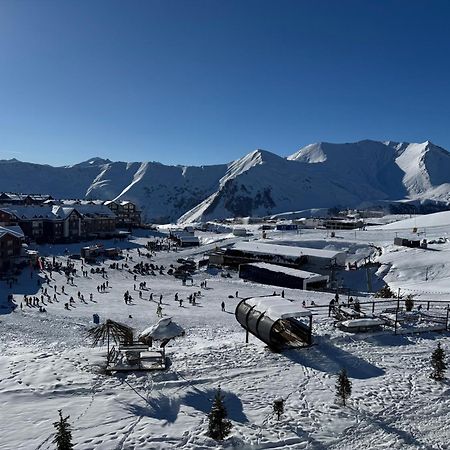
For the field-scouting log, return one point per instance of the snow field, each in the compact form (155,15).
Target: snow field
(46,364)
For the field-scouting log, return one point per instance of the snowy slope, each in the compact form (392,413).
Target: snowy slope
(319,175)
(440,219)
(46,363)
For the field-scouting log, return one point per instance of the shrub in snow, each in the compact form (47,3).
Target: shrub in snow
(409,302)
(219,426)
(438,363)
(385,292)
(278,407)
(63,438)
(343,387)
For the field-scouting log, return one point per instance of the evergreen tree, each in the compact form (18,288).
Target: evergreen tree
(219,426)
(409,302)
(343,386)
(278,407)
(385,292)
(63,438)
(438,363)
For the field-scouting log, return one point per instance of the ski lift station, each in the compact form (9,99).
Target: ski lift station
(282,276)
(278,322)
(292,256)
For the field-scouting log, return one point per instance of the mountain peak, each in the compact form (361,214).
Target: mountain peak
(312,153)
(93,162)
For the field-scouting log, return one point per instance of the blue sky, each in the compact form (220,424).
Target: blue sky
(205,82)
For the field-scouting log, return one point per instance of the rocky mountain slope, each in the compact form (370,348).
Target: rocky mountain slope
(260,183)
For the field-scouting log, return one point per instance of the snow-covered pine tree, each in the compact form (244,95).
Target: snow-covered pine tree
(63,438)
(219,426)
(343,386)
(438,363)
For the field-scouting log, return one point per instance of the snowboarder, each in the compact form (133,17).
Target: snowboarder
(223,306)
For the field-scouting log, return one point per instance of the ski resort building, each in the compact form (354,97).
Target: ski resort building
(11,239)
(278,322)
(61,223)
(184,238)
(128,214)
(338,223)
(286,226)
(239,231)
(290,256)
(288,277)
(8,198)
(413,243)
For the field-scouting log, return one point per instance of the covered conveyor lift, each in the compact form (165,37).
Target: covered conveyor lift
(278,322)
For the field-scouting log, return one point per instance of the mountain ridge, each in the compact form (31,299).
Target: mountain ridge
(319,175)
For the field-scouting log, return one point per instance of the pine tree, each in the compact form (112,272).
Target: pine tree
(278,407)
(385,292)
(409,302)
(438,363)
(63,438)
(219,426)
(343,386)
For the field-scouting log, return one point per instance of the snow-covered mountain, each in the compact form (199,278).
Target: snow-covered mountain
(325,175)
(320,175)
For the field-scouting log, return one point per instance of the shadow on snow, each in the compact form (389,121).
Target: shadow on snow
(326,357)
(163,407)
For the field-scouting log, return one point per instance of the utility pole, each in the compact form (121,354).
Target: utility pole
(369,279)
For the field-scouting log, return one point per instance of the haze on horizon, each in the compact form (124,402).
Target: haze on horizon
(205,82)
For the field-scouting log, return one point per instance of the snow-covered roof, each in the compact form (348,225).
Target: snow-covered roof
(277,307)
(188,238)
(30,212)
(94,210)
(15,231)
(284,250)
(163,329)
(62,212)
(72,202)
(57,212)
(121,203)
(287,270)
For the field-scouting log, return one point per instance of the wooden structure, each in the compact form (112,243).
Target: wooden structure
(134,357)
(130,355)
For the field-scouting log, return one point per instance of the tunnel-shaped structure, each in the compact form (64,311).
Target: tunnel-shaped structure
(278,322)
